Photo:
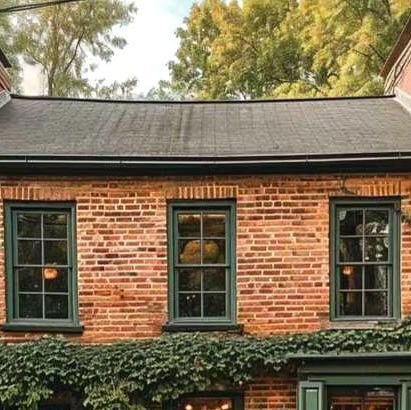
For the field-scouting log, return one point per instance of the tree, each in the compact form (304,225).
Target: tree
(116,90)
(8,45)
(62,38)
(286,48)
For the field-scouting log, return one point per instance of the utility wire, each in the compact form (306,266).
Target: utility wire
(32,6)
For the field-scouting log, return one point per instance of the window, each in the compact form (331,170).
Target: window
(202,257)
(211,401)
(363,399)
(41,270)
(365,259)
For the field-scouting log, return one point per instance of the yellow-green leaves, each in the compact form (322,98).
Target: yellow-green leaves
(285,48)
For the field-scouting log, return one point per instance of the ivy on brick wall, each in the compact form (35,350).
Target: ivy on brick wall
(137,375)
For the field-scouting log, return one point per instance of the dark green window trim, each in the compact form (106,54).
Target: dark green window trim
(69,325)
(394,302)
(227,207)
(236,396)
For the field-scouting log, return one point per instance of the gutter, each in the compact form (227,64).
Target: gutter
(262,160)
(145,166)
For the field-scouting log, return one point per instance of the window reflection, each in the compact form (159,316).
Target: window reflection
(205,404)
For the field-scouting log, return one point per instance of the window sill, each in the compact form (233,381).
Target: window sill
(353,324)
(187,327)
(35,327)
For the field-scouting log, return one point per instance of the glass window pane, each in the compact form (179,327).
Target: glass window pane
(214,304)
(351,303)
(189,225)
(29,252)
(376,249)
(189,304)
(55,226)
(56,307)
(214,251)
(202,403)
(376,277)
(29,225)
(55,279)
(30,306)
(351,222)
(376,222)
(189,252)
(376,304)
(55,253)
(350,277)
(29,279)
(189,279)
(351,250)
(214,279)
(214,225)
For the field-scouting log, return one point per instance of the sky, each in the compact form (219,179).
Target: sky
(151,45)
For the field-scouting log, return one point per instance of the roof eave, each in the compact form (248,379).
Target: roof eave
(377,162)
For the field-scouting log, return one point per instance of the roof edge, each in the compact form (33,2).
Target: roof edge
(4,60)
(280,100)
(398,48)
(258,159)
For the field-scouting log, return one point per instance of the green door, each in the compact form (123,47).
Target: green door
(311,396)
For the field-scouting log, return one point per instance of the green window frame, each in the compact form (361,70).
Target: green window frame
(41,267)
(365,259)
(223,243)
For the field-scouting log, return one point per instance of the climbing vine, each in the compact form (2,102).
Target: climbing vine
(136,375)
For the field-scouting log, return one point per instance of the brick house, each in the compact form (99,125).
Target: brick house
(131,220)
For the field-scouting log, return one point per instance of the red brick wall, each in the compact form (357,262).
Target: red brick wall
(271,394)
(282,249)
(4,79)
(400,73)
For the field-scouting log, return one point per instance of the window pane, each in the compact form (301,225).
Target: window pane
(376,277)
(56,307)
(376,222)
(214,225)
(29,252)
(29,279)
(351,250)
(189,304)
(214,304)
(55,280)
(28,225)
(350,277)
(214,279)
(189,279)
(55,226)
(376,304)
(189,225)
(198,403)
(214,251)
(189,252)
(55,252)
(376,249)
(351,222)
(30,306)
(351,303)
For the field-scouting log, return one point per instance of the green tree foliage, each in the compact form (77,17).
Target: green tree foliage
(286,48)
(62,39)
(117,90)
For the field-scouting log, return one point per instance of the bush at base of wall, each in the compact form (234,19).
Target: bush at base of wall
(138,374)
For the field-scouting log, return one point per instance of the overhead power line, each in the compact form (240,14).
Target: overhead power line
(33,6)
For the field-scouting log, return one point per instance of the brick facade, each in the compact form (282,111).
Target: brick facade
(282,253)
(397,69)
(282,247)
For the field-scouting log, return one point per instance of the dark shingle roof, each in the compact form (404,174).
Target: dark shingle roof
(44,126)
